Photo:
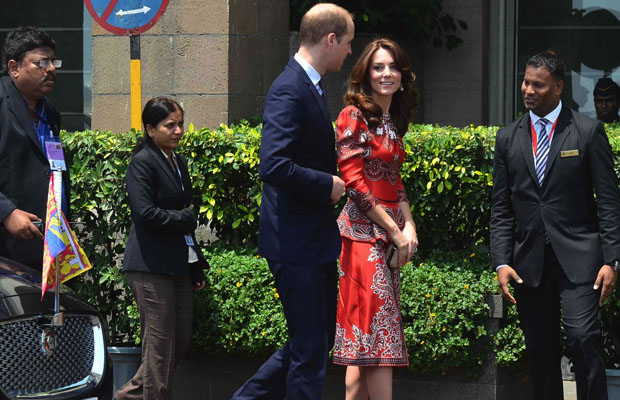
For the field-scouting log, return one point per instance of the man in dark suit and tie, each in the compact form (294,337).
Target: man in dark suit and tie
(555,229)
(298,234)
(29,127)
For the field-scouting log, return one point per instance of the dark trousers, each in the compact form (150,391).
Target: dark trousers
(165,305)
(297,370)
(540,311)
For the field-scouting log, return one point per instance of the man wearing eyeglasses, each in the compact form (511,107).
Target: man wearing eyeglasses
(29,142)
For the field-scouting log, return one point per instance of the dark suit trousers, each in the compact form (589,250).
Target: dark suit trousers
(165,304)
(540,311)
(297,370)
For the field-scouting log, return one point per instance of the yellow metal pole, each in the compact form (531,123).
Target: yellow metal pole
(136,82)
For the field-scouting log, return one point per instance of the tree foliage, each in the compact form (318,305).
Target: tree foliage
(422,21)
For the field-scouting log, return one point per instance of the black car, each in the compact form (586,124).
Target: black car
(43,360)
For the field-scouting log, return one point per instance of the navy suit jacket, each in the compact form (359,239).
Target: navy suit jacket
(584,230)
(297,160)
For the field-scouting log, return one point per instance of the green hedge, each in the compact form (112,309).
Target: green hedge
(444,173)
(442,302)
(448,176)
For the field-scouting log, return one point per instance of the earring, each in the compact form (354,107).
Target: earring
(402,89)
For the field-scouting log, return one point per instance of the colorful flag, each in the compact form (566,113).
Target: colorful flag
(60,246)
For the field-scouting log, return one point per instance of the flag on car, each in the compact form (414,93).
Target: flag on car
(60,246)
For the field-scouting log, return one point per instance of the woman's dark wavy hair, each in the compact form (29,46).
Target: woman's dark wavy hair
(359,92)
(155,111)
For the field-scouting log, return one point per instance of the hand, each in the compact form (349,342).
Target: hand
(607,278)
(337,189)
(504,275)
(19,224)
(411,235)
(407,242)
(198,286)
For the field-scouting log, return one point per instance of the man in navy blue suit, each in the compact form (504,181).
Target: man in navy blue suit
(298,234)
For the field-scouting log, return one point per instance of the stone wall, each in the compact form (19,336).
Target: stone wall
(203,53)
(455,83)
(219,58)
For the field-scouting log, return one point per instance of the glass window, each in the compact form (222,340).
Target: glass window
(585,33)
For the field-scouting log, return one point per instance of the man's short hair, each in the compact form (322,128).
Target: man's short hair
(21,41)
(606,87)
(323,19)
(550,61)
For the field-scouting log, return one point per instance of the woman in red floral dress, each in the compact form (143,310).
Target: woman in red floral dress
(369,332)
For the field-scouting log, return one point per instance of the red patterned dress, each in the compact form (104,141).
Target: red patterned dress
(369,328)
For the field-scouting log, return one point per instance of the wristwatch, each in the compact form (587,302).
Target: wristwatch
(615,265)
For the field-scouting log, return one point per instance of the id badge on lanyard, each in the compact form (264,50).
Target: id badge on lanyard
(189,240)
(55,155)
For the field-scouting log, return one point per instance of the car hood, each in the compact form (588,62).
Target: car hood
(20,293)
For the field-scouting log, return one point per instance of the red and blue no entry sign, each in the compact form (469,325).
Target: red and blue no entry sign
(126,17)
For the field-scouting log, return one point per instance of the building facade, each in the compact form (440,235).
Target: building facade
(218,58)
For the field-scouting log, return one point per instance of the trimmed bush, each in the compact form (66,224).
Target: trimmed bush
(442,304)
(240,311)
(448,176)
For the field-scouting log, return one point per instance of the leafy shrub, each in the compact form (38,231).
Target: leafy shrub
(223,166)
(444,311)
(442,304)
(99,203)
(240,311)
(448,178)
(509,342)
(611,330)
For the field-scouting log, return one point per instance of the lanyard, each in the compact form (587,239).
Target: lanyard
(178,171)
(42,126)
(535,136)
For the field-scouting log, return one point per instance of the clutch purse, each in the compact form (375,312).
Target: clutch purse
(391,256)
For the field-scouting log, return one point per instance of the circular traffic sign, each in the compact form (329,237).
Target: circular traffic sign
(126,17)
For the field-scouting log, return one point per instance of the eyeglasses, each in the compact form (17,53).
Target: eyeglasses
(45,63)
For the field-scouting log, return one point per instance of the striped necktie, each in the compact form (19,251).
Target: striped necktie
(542,150)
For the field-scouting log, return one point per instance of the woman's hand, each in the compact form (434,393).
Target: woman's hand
(198,286)
(407,243)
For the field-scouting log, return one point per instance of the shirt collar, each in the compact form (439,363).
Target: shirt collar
(174,156)
(551,117)
(312,73)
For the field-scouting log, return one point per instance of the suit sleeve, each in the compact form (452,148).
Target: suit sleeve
(6,205)
(141,181)
(283,122)
(605,184)
(502,215)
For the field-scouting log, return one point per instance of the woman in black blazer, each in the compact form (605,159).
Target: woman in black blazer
(163,262)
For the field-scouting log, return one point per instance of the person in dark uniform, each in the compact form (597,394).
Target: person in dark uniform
(607,100)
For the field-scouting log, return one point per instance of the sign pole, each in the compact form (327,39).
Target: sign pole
(136,82)
(129,18)
(59,317)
